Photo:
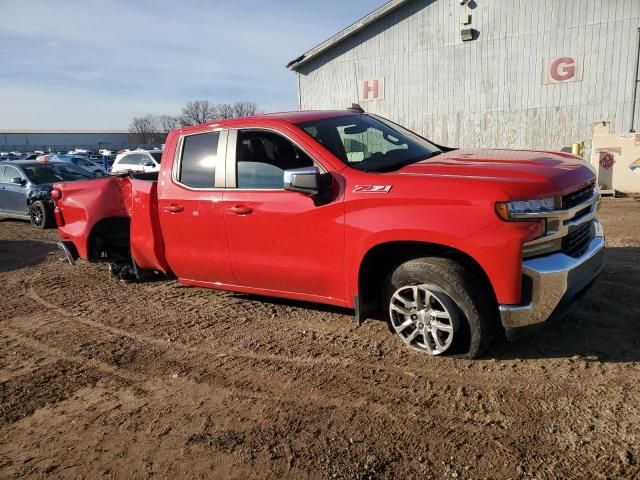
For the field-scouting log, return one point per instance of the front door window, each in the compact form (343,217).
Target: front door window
(262,157)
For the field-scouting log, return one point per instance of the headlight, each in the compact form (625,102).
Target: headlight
(511,210)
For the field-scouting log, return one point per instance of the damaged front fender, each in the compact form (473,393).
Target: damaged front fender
(37,192)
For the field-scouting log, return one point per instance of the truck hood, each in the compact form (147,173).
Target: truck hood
(519,172)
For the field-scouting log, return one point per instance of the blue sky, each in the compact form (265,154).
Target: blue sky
(94,64)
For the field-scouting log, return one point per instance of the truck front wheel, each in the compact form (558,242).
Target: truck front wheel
(436,306)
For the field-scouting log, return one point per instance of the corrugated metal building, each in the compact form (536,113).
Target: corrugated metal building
(29,140)
(521,73)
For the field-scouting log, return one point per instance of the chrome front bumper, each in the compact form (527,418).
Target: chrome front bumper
(552,282)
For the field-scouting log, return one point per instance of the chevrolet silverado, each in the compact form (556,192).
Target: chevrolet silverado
(351,209)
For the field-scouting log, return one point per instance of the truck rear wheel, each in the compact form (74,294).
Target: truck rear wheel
(435,306)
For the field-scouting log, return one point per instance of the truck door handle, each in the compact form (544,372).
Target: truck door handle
(240,210)
(173,208)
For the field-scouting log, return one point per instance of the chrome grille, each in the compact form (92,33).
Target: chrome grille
(576,198)
(577,241)
(570,228)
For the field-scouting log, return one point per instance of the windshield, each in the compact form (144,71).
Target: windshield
(54,172)
(369,143)
(157,156)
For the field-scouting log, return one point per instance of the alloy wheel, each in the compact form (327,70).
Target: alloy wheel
(424,319)
(37,215)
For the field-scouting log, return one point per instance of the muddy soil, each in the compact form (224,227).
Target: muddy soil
(104,379)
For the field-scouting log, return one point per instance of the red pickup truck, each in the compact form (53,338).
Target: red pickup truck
(351,209)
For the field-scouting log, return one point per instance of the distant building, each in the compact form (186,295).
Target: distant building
(531,74)
(62,140)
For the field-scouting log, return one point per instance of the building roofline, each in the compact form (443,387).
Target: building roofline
(18,130)
(365,21)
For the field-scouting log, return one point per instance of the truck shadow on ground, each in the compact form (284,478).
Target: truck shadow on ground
(604,326)
(17,254)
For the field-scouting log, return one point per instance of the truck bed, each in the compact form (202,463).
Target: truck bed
(131,199)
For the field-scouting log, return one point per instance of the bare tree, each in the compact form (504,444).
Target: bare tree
(244,109)
(224,111)
(152,129)
(197,112)
(144,129)
(167,123)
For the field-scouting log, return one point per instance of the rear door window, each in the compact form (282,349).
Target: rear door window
(199,159)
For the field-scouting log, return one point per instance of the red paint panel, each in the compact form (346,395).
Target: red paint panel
(286,243)
(147,243)
(85,203)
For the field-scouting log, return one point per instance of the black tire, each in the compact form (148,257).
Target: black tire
(130,272)
(142,274)
(41,215)
(471,308)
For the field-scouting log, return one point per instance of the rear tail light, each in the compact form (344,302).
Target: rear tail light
(56,194)
(57,213)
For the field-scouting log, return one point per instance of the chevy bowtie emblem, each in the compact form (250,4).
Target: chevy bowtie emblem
(372,188)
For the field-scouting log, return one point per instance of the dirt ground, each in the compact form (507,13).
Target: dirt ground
(104,379)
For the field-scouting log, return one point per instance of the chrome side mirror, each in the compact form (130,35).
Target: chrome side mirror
(304,180)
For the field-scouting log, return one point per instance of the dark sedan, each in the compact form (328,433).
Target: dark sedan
(25,188)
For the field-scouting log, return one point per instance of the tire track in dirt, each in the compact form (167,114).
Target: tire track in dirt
(159,359)
(247,355)
(237,378)
(273,343)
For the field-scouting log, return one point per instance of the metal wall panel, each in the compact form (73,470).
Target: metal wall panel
(490,91)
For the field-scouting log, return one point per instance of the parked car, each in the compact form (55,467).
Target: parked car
(83,162)
(137,161)
(81,152)
(353,210)
(11,156)
(25,187)
(32,155)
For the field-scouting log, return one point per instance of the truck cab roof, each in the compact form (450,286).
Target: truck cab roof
(293,117)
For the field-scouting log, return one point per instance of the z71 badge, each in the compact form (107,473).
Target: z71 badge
(372,188)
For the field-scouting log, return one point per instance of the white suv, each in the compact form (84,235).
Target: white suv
(137,161)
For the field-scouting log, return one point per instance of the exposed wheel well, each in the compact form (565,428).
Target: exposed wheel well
(109,240)
(383,258)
